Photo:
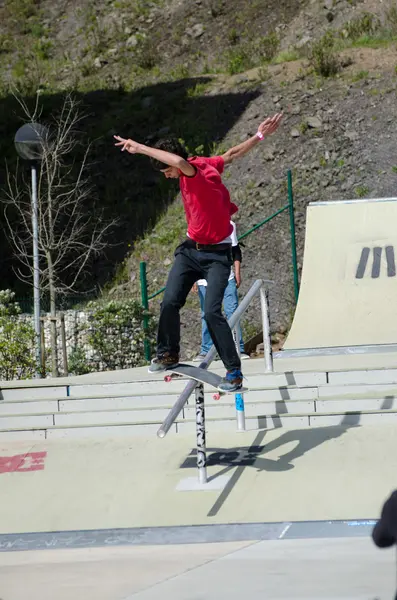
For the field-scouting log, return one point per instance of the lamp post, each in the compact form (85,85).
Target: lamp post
(29,142)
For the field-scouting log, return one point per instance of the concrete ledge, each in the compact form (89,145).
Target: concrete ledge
(355,405)
(105,431)
(26,422)
(281,393)
(32,393)
(252,423)
(353,419)
(286,378)
(254,410)
(117,403)
(334,362)
(109,417)
(134,388)
(28,408)
(373,376)
(357,391)
(23,435)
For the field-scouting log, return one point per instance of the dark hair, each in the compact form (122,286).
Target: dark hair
(169,144)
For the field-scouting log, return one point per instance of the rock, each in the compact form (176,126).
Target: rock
(314,122)
(167,262)
(132,41)
(303,42)
(328,4)
(295,133)
(98,62)
(196,31)
(277,99)
(330,16)
(296,110)
(112,51)
(351,135)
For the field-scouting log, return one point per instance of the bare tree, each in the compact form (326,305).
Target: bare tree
(68,237)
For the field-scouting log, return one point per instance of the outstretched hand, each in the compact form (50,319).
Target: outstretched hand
(269,125)
(129,145)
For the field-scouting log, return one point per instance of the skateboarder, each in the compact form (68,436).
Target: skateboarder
(206,253)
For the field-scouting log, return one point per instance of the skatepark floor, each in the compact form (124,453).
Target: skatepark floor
(273,478)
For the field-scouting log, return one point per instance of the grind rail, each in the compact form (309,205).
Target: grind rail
(234,322)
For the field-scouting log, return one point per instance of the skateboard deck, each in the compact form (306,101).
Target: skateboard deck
(201,375)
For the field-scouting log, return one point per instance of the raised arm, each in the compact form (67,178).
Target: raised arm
(168,158)
(267,127)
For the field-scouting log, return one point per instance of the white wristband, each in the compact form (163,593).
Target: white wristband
(260,135)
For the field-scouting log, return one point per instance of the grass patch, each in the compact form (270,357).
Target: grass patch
(287,56)
(361,191)
(360,76)
(197,90)
(382,40)
(252,53)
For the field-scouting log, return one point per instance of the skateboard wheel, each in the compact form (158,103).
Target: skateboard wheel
(217,396)
(168,378)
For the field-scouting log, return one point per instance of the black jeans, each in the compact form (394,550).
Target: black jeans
(189,266)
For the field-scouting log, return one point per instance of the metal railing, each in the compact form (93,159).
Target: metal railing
(289,206)
(234,323)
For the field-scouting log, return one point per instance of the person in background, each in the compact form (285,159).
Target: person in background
(230,300)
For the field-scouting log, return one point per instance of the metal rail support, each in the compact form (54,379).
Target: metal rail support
(238,396)
(267,344)
(200,434)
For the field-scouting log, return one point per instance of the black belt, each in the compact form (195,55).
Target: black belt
(189,243)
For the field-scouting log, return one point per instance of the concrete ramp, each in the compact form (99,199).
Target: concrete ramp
(348,294)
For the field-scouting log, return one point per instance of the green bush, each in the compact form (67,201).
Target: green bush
(391,18)
(239,60)
(268,46)
(365,24)
(323,55)
(78,363)
(116,334)
(16,341)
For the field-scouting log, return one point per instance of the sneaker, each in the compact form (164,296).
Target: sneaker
(161,363)
(200,357)
(244,356)
(232,382)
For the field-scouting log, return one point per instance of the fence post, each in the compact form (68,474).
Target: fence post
(200,434)
(293,235)
(42,337)
(64,351)
(145,306)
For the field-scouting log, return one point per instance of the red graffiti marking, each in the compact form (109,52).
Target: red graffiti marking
(21,463)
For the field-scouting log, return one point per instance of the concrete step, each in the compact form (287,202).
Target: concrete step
(95,405)
(187,426)
(16,392)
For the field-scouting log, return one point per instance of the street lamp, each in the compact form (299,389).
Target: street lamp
(30,140)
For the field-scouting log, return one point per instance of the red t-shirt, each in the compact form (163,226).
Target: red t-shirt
(207,201)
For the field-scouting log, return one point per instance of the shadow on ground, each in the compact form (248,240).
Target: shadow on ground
(239,458)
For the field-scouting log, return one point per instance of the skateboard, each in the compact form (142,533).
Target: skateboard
(201,375)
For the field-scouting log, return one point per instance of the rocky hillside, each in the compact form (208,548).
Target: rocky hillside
(209,70)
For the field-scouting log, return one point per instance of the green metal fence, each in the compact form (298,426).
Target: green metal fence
(289,206)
